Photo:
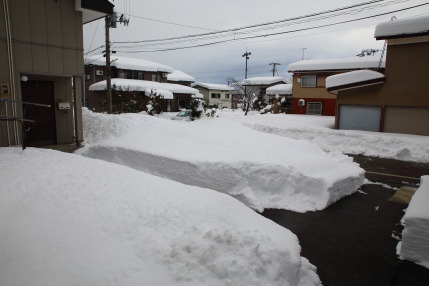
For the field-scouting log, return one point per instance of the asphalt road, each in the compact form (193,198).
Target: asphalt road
(352,242)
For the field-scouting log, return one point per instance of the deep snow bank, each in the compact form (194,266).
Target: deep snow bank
(70,220)
(318,130)
(261,170)
(415,236)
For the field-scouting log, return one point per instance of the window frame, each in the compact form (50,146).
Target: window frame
(306,79)
(214,95)
(311,110)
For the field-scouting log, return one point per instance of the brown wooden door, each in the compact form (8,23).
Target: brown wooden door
(43,130)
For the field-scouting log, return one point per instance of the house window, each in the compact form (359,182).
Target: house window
(314,108)
(215,95)
(226,96)
(156,77)
(140,75)
(308,81)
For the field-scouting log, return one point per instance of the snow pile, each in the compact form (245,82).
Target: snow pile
(360,76)
(402,27)
(318,130)
(70,220)
(261,170)
(143,85)
(180,76)
(213,86)
(415,236)
(265,80)
(347,63)
(280,89)
(128,63)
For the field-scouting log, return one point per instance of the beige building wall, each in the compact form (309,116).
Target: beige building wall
(405,93)
(46,44)
(406,79)
(311,92)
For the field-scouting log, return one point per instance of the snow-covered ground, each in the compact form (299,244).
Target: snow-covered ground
(70,220)
(261,170)
(318,130)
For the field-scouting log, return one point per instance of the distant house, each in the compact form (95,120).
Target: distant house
(121,67)
(42,71)
(309,95)
(219,95)
(398,100)
(180,77)
(176,96)
(259,85)
(280,93)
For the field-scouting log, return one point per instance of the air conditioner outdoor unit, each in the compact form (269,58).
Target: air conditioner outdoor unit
(301,102)
(99,72)
(164,75)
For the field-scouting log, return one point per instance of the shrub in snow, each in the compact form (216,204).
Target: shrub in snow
(197,107)
(211,112)
(154,105)
(267,109)
(124,101)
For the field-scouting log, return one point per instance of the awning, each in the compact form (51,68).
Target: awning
(354,79)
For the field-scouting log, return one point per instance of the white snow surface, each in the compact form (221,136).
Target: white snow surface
(264,80)
(178,75)
(347,63)
(70,220)
(143,85)
(352,77)
(261,170)
(280,89)
(402,27)
(318,130)
(415,236)
(213,86)
(128,63)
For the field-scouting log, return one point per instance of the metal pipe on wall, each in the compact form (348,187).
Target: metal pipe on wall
(11,61)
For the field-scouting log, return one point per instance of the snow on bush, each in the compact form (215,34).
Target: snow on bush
(261,170)
(70,220)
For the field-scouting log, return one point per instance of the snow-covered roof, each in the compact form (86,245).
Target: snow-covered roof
(177,75)
(143,85)
(265,80)
(348,63)
(198,95)
(213,86)
(353,79)
(404,27)
(128,63)
(280,89)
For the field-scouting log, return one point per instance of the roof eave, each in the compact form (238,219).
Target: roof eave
(387,37)
(354,85)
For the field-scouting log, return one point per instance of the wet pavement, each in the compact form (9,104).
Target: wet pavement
(353,242)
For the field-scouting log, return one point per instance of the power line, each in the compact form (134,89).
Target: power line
(274,34)
(283,21)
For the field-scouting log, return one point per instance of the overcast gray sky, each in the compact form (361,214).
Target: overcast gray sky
(150,20)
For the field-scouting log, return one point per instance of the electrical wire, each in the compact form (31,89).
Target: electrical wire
(298,20)
(273,34)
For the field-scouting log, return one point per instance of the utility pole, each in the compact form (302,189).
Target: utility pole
(108,75)
(303,49)
(246,97)
(111,21)
(274,67)
(246,54)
